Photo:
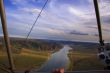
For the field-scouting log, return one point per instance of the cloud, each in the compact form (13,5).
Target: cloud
(105,19)
(80,13)
(31,10)
(78,33)
(103,29)
(21,2)
(61,19)
(97,35)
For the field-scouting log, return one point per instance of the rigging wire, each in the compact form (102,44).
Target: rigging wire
(36,20)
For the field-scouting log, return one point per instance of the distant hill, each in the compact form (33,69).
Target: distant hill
(18,44)
(45,44)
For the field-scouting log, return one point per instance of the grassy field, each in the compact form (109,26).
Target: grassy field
(27,59)
(28,55)
(84,61)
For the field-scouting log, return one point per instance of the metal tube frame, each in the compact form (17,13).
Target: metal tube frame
(6,37)
(98,22)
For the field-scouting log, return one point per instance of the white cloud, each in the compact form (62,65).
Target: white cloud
(30,10)
(80,13)
(18,1)
(54,21)
(104,6)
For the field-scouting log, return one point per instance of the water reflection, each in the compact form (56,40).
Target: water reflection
(57,60)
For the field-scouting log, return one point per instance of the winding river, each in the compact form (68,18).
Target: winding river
(57,60)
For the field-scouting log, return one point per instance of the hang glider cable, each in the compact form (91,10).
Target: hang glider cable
(36,19)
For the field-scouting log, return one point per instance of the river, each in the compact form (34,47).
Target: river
(57,60)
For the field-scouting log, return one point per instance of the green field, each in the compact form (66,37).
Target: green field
(35,53)
(27,59)
(27,55)
(83,61)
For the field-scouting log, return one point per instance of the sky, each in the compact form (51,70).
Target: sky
(71,20)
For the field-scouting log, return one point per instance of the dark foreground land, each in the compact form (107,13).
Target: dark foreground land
(34,53)
(27,55)
(84,57)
